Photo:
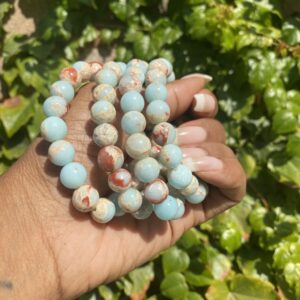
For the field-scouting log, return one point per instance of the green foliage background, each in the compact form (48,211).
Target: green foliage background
(252,50)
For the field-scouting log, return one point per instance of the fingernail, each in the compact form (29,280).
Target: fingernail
(198,160)
(204,103)
(190,135)
(205,77)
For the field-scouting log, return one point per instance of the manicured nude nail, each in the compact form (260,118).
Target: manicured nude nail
(189,135)
(204,103)
(205,77)
(197,160)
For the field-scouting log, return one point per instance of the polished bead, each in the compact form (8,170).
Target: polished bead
(180,177)
(167,209)
(169,65)
(105,92)
(129,83)
(105,134)
(63,89)
(104,212)
(107,76)
(110,158)
(130,200)
(123,66)
(180,209)
(133,122)
(157,111)
(138,146)
(170,156)
(147,169)
(156,191)
(53,129)
(191,188)
(114,67)
(103,112)
(171,77)
(61,153)
(155,76)
(114,198)
(84,69)
(73,175)
(144,212)
(95,68)
(156,91)
(162,65)
(199,195)
(85,198)
(71,75)
(55,106)
(138,63)
(132,101)
(119,180)
(164,133)
(136,72)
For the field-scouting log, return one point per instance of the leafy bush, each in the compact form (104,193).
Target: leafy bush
(253,52)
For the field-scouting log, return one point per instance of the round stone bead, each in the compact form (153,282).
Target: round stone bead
(155,76)
(123,66)
(136,72)
(55,106)
(141,64)
(110,158)
(132,101)
(63,89)
(84,69)
(133,122)
(107,76)
(104,212)
(199,195)
(156,191)
(147,169)
(119,180)
(95,67)
(156,91)
(129,83)
(61,153)
(105,134)
(164,133)
(115,67)
(103,112)
(71,75)
(53,129)
(130,200)
(157,111)
(105,92)
(73,175)
(170,156)
(167,209)
(171,77)
(191,188)
(180,177)
(138,146)
(114,198)
(161,65)
(85,198)
(144,212)
(180,209)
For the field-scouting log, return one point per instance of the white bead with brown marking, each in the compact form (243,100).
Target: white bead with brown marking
(85,198)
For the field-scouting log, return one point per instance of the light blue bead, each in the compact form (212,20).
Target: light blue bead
(138,145)
(114,198)
(167,209)
(123,66)
(73,175)
(105,211)
(139,63)
(61,152)
(171,77)
(103,112)
(180,209)
(168,63)
(104,92)
(157,111)
(130,200)
(170,156)
(53,129)
(137,72)
(132,101)
(107,76)
(144,212)
(55,106)
(199,195)
(63,89)
(156,91)
(164,133)
(180,177)
(133,122)
(80,65)
(155,75)
(147,169)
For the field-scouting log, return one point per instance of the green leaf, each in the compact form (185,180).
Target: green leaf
(284,122)
(175,260)
(144,48)
(248,162)
(190,238)
(33,128)
(193,296)
(203,279)
(4,8)
(231,240)
(174,286)
(293,145)
(285,253)
(15,147)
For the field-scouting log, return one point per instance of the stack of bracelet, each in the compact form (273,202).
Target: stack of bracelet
(151,178)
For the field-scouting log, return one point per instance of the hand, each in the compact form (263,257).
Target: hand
(86,254)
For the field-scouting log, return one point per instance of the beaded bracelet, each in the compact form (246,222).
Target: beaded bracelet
(138,184)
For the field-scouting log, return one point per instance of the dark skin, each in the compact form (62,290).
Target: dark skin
(51,251)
